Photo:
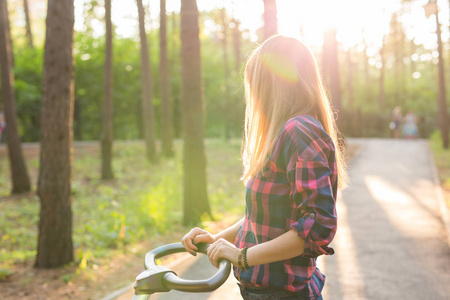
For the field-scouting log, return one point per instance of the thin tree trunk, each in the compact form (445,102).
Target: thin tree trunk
(367,77)
(55,247)
(19,174)
(174,54)
(350,79)
(396,51)
(381,95)
(237,35)
(194,159)
(332,68)
(442,103)
(28,23)
(147,89)
(227,99)
(166,119)
(9,37)
(107,133)
(270,18)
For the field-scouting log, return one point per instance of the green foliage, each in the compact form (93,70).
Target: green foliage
(5,274)
(28,86)
(66,278)
(142,203)
(442,159)
(223,114)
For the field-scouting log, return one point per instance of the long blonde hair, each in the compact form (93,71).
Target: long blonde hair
(282,80)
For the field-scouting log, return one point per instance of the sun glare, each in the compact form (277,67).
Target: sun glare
(355,20)
(352,19)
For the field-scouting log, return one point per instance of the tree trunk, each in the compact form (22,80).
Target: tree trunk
(442,103)
(331,68)
(28,23)
(55,246)
(147,89)
(237,35)
(107,132)
(350,78)
(19,174)
(227,98)
(166,119)
(194,160)
(175,54)
(270,18)
(367,77)
(381,95)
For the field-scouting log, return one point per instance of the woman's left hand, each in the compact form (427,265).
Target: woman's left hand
(223,249)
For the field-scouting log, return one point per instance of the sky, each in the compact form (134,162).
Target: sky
(352,18)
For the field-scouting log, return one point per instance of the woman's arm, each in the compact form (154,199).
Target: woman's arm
(197,235)
(286,246)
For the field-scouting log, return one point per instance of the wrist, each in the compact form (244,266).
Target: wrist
(242,259)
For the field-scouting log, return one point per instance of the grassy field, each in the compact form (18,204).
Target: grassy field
(143,201)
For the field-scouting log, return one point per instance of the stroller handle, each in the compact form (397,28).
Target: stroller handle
(161,279)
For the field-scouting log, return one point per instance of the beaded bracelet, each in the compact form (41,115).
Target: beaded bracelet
(244,255)
(240,265)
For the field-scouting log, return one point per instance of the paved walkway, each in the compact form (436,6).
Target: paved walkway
(391,241)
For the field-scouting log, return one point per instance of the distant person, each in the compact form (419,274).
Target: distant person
(396,122)
(293,166)
(2,127)
(410,125)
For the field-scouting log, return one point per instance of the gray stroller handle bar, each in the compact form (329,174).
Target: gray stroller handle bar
(157,278)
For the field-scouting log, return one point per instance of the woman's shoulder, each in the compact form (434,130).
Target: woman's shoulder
(303,135)
(306,127)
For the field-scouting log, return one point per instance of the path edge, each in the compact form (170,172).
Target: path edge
(130,286)
(439,194)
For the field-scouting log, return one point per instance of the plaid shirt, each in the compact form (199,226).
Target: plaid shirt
(296,189)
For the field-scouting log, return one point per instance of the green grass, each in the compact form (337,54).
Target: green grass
(442,158)
(144,200)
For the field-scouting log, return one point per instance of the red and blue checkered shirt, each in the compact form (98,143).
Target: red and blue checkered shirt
(296,189)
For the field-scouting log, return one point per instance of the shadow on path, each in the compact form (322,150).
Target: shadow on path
(391,242)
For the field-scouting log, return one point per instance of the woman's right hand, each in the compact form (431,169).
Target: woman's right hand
(195,236)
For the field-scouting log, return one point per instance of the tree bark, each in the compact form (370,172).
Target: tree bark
(166,119)
(147,89)
(175,54)
(331,68)
(270,18)
(226,67)
(442,102)
(107,132)
(194,160)
(28,23)
(350,79)
(381,95)
(19,174)
(55,247)
(367,77)
(237,35)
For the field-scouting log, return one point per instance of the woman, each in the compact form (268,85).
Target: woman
(291,170)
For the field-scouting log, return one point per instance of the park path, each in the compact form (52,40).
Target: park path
(391,241)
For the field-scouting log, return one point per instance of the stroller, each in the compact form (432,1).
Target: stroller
(159,279)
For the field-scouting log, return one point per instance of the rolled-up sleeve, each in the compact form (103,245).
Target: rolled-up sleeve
(313,177)
(316,207)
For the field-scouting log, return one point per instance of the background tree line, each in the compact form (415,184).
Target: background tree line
(359,72)
(103,88)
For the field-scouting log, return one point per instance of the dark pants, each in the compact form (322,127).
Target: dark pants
(269,293)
